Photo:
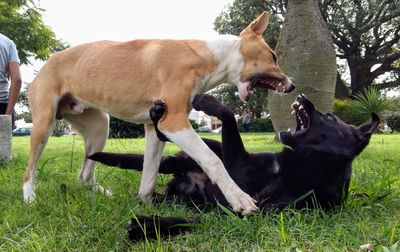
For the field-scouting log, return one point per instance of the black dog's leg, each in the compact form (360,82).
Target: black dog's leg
(232,145)
(156,113)
(154,227)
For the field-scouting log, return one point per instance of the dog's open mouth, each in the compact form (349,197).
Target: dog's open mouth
(302,118)
(267,82)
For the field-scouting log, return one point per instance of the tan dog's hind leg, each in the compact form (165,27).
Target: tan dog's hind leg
(151,163)
(93,125)
(191,143)
(43,119)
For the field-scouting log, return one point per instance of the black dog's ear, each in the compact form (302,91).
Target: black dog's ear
(365,131)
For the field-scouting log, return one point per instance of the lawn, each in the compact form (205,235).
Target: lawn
(80,220)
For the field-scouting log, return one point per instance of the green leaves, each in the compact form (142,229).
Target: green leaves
(21,21)
(241,13)
(371,100)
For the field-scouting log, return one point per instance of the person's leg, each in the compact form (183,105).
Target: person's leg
(13,120)
(3,107)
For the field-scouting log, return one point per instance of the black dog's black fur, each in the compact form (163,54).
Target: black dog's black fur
(314,169)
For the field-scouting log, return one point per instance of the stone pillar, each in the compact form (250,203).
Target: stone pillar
(5,138)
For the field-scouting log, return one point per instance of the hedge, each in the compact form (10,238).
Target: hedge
(346,111)
(123,129)
(393,121)
(257,125)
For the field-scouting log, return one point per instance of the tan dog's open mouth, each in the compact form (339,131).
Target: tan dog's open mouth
(269,82)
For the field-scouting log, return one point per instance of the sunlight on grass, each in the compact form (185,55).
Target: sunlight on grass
(67,216)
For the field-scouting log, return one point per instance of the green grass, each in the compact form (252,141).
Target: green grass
(81,220)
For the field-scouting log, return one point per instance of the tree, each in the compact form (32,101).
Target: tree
(306,52)
(242,12)
(227,94)
(365,32)
(21,21)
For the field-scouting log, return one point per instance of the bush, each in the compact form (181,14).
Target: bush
(393,121)
(194,124)
(258,125)
(371,101)
(123,129)
(346,111)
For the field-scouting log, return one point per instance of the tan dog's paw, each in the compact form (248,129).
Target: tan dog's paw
(29,192)
(242,203)
(247,205)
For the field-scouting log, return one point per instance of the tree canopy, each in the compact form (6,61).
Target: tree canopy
(241,13)
(21,21)
(365,32)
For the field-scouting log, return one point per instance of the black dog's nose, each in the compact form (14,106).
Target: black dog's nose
(301,98)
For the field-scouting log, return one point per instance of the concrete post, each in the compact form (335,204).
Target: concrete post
(5,138)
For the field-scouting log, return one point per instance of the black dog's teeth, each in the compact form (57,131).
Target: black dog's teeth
(301,116)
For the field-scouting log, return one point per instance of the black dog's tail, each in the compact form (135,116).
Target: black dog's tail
(169,165)
(155,227)
(180,163)
(123,160)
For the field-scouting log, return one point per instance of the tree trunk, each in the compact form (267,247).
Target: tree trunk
(341,91)
(361,78)
(306,52)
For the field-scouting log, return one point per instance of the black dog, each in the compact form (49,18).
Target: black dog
(314,169)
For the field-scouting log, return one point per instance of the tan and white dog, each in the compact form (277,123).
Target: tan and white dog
(85,83)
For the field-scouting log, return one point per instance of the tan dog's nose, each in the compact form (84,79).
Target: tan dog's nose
(292,85)
(291,88)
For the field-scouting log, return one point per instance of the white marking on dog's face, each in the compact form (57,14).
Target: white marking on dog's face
(226,51)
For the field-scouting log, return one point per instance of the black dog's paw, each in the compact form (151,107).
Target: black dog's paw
(211,106)
(157,111)
(206,103)
(136,228)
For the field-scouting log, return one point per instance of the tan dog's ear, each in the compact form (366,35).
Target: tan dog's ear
(259,25)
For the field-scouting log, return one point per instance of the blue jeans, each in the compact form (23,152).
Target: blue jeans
(246,126)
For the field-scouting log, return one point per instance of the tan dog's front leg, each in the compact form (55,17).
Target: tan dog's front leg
(152,158)
(192,144)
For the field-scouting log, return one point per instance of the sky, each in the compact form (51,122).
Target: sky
(81,21)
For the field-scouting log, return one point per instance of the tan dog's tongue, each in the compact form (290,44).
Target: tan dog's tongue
(244,94)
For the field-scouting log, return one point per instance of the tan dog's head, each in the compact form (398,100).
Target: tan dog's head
(260,63)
